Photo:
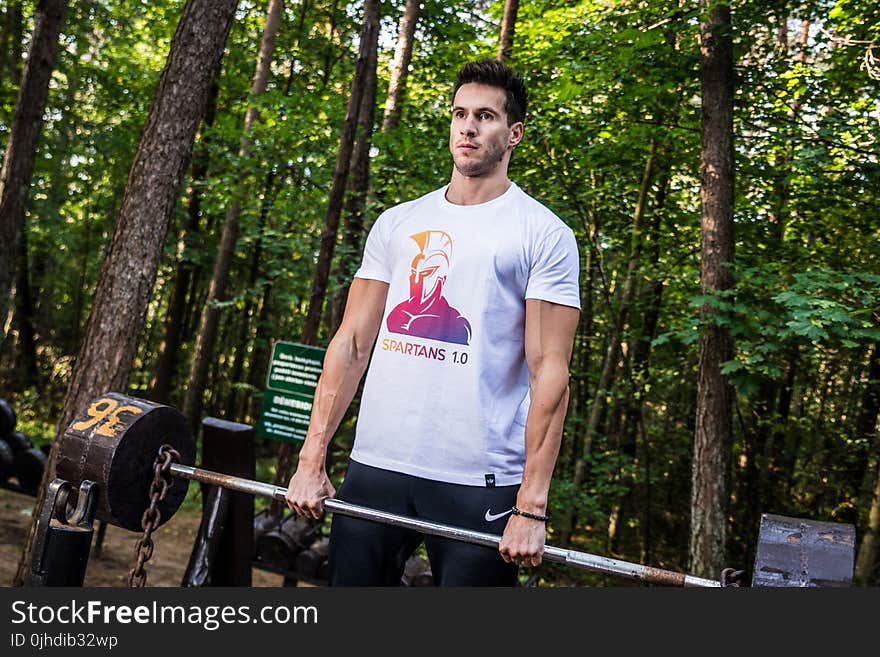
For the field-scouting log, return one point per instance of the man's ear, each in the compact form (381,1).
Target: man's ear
(516,134)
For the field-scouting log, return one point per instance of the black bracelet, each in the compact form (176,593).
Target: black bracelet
(525,514)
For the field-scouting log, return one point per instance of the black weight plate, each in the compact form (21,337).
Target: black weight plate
(28,469)
(7,418)
(7,461)
(18,441)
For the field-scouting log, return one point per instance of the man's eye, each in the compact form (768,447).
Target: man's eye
(485,116)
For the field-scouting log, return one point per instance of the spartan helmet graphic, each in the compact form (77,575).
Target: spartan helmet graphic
(426,313)
(430,267)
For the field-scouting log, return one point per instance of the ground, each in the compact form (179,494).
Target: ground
(173,544)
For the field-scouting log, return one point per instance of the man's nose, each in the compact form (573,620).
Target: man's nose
(469,126)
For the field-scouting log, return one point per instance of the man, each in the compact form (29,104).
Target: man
(472,292)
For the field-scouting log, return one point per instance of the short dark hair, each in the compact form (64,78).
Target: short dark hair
(493,73)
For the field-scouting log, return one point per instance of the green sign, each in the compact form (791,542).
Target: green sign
(290,390)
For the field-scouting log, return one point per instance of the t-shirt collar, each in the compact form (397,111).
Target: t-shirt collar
(498,200)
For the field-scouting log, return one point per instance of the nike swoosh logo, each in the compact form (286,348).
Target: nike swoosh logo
(494,516)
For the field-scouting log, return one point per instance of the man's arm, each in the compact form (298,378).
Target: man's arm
(549,336)
(344,364)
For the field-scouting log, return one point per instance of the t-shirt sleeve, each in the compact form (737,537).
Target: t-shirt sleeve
(375,264)
(555,269)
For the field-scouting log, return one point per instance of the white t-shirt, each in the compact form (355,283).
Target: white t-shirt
(447,390)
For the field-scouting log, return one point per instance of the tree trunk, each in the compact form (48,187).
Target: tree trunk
(580,376)
(332,52)
(259,360)
(56,197)
(400,67)
(866,430)
(356,198)
(713,435)
(27,121)
(508,25)
(653,298)
(241,343)
(203,351)
(128,272)
(620,312)
(867,566)
(26,362)
(581,357)
(639,371)
(80,291)
(166,365)
(369,40)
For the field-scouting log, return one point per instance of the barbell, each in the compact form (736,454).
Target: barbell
(115,440)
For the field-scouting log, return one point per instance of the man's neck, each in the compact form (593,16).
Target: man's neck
(465,190)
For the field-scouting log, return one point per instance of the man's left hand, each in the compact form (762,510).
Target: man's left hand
(523,541)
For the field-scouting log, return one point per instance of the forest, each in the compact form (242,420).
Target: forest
(187,182)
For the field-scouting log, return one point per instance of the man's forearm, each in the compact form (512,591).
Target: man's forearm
(543,438)
(344,365)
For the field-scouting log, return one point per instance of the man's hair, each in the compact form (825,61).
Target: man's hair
(495,74)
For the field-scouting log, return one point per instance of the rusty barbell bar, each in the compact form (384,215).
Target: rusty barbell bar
(574,558)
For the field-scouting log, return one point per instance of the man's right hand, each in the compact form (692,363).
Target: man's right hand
(307,491)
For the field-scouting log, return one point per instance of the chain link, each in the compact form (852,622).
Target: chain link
(143,549)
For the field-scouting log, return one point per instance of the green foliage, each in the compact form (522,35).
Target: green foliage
(771,314)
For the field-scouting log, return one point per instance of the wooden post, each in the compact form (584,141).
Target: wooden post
(229,447)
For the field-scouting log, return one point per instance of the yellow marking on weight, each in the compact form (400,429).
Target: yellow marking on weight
(96,413)
(114,423)
(110,410)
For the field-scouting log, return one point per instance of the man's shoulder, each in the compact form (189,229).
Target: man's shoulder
(539,214)
(405,207)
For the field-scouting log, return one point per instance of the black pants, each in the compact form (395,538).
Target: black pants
(369,553)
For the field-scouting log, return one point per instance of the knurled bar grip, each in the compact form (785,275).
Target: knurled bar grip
(574,558)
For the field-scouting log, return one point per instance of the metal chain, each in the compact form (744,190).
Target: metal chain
(143,549)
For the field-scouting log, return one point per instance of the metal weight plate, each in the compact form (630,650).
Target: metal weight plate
(7,418)
(27,467)
(797,552)
(18,441)
(7,459)
(114,442)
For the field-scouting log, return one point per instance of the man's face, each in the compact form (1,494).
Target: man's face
(479,137)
